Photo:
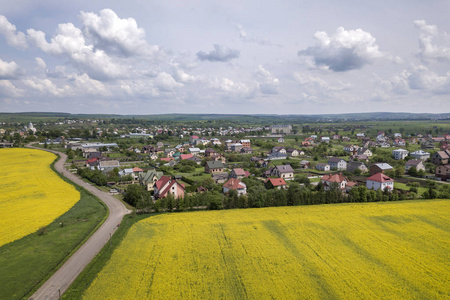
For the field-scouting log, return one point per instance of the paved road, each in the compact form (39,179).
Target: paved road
(61,280)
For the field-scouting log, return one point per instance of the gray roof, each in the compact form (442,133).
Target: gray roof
(215,164)
(384,166)
(285,169)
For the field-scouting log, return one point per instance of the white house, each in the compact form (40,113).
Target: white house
(337,163)
(400,153)
(323,167)
(420,154)
(380,181)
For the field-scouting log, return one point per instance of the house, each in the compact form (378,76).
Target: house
(360,136)
(276,155)
(337,163)
(440,157)
(279,149)
(414,163)
(280,140)
(235,184)
(104,165)
(286,129)
(380,181)
(400,154)
(399,143)
(338,180)
(379,168)
(323,167)
(304,164)
(149,178)
(351,149)
(180,148)
(292,152)
(196,159)
(167,186)
(443,172)
(353,165)
(246,150)
(245,143)
(325,139)
(219,157)
(364,151)
(216,141)
(186,156)
(193,138)
(220,177)
(194,151)
(236,147)
(238,173)
(169,152)
(360,157)
(275,183)
(336,137)
(214,167)
(427,145)
(283,171)
(210,152)
(420,154)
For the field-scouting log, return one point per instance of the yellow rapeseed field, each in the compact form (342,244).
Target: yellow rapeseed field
(31,194)
(397,250)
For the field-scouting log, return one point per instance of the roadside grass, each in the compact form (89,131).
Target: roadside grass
(28,262)
(84,280)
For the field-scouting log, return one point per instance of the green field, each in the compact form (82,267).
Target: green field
(393,250)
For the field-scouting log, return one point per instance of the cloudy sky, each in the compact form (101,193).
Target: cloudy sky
(192,56)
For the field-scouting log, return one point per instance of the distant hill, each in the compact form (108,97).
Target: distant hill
(238,118)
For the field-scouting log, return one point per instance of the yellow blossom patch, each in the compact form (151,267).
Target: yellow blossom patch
(31,194)
(396,250)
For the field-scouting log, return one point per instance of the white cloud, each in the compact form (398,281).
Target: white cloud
(220,53)
(318,90)
(434,45)
(345,50)
(113,34)
(13,37)
(7,89)
(250,39)
(46,86)
(231,89)
(41,63)
(165,82)
(69,42)
(421,78)
(87,85)
(9,70)
(268,83)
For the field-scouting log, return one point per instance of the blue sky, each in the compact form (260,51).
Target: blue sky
(283,57)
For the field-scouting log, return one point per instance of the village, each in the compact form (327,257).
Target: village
(178,161)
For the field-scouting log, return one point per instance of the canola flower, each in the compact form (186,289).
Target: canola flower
(32,195)
(395,250)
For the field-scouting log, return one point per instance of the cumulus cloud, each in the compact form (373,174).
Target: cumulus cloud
(434,45)
(9,70)
(232,89)
(268,83)
(7,89)
(13,37)
(113,34)
(46,86)
(70,42)
(165,82)
(220,53)
(421,78)
(319,90)
(343,51)
(87,85)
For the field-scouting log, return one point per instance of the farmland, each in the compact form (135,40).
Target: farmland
(32,194)
(361,251)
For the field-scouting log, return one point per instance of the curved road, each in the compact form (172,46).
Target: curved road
(61,280)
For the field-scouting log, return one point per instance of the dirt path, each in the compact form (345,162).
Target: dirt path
(61,280)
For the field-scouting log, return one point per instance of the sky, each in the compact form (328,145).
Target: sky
(233,57)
